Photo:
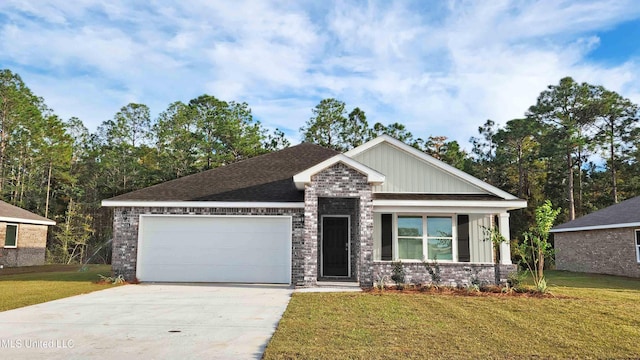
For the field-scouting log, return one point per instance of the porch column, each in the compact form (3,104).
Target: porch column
(505,247)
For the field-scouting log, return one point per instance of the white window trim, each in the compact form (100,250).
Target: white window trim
(348,217)
(635,242)
(425,238)
(5,236)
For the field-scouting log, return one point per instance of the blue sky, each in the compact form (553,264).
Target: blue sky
(439,67)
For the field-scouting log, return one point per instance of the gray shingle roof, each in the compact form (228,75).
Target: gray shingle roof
(626,212)
(11,213)
(264,178)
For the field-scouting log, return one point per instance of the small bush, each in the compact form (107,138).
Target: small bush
(434,271)
(541,286)
(379,284)
(397,274)
(515,278)
(116,280)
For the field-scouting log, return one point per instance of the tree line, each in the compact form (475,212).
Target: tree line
(578,146)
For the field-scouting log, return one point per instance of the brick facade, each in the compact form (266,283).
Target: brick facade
(339,181)
(452,274)
(125,234)
(606,251)
(31,246)
(337,190)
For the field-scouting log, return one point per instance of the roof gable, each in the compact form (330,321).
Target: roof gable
(11,213)
(409,170)
(624,214)
(304,177)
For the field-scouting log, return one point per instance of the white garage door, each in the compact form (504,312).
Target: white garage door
(248,249)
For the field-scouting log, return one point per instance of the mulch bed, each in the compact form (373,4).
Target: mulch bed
(488,291)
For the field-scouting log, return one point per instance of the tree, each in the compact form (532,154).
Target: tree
(226,131)
(57,151)
(126,159)
(516,144)
(329,126)
(395,130)
(566,111)
(535,246)
(446,151)
(357,129)
(276,141)
(484,148)
(617,124)
(72,235)
(18,109)
(133,125)
(177,144)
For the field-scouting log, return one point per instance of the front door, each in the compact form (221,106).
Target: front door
(335,246)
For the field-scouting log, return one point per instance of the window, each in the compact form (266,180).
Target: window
(414,245)
(11,236)
(439,238)
(638,245)
(410,237)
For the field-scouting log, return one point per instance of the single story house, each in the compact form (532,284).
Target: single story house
(24,234)
(606,241)
(307,214)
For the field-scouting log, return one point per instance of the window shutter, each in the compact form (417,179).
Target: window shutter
(464,255)
(387,237)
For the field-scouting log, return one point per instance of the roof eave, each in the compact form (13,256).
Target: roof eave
(595,227)
(506,205)
(203,204)
(26,221)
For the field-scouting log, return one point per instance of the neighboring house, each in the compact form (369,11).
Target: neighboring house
(606,241)
(307,214)
(24,236)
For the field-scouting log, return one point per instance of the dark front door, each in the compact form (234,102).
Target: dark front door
(335,246)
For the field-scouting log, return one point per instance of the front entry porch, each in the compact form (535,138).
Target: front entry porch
(338,239)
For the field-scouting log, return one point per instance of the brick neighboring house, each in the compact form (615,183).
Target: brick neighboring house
(307,214)
(24,236)
(605,242)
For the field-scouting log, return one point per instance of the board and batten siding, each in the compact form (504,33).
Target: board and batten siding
(406,173)
(377,236)
(481,251)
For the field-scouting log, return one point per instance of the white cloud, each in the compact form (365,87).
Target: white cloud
(441,69)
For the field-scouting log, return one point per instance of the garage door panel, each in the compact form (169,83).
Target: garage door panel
(221,257)
(215,249)
(225,273)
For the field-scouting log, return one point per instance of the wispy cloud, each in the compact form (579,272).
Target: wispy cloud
(440,68)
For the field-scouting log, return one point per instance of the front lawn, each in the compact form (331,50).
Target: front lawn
(32,285)
(598,317)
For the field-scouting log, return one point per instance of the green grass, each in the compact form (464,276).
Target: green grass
(597,317)
(33,285)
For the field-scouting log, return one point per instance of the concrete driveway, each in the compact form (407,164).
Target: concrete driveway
(154,321)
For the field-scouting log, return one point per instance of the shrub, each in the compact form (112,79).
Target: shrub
(379,284)
(397,274)
(433,268)
(116,280)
